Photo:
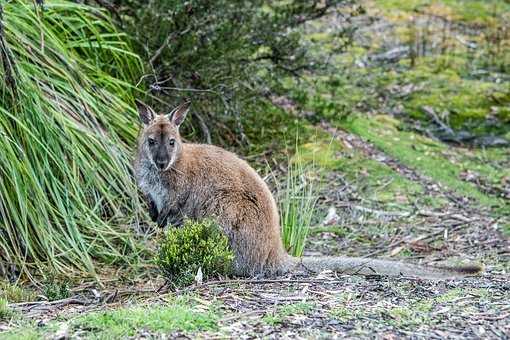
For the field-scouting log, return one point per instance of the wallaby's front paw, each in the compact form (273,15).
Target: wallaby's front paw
(153,211)
(162,220)
(176,221)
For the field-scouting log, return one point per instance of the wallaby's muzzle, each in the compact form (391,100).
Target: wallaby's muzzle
(161,164)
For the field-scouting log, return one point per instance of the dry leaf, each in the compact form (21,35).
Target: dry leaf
(199,277)
(396,250)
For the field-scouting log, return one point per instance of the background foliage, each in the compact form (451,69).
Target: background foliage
(256,72)
(403,106)
(228,56)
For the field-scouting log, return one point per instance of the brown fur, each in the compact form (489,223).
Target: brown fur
(203,181)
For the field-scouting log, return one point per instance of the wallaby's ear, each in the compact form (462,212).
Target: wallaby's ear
(145,112)
(178,115)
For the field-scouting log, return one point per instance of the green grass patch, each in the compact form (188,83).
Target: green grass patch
(506,229)
(28,332)
(297,202)
(342,313)
(277,316)
(15,293)
(178,315)
(5,311)
(420,153)
(490,166)
(372,178)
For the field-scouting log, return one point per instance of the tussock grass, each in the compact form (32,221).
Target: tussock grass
(15,293)
(66,127)
(5,311)
(297,203)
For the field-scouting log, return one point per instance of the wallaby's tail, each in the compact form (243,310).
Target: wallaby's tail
(367,266)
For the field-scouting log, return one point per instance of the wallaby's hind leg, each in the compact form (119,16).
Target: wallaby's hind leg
(253,256)
(249,259)
(254,233)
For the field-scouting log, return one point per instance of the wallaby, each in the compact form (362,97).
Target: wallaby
(184,180)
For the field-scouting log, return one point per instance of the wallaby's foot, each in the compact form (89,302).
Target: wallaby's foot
(176,221)
(162,220)
(153,210)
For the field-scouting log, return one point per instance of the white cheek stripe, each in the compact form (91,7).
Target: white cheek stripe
(150,156)
(172,160)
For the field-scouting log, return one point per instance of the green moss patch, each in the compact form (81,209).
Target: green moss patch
(178,315)
(459,101)
(476,12)
(373,178)
(420,153)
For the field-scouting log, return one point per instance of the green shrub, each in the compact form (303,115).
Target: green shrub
(56,290)
(197,245)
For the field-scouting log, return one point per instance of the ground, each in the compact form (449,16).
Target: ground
(391,187)
(384,209)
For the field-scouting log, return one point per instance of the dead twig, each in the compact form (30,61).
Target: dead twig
(203,127)
(160,50)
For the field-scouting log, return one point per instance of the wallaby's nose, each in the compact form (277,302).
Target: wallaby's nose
(161,164)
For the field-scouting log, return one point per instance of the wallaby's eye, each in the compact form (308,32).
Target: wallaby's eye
(151,141)
(171,141)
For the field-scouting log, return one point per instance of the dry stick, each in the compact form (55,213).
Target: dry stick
(56,303)
(494,318)
(455,226)
(35,303)
(265,281)
(165,44)
(203,127)
(74,300)
(161,48)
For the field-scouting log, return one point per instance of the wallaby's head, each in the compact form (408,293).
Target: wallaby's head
(160,140)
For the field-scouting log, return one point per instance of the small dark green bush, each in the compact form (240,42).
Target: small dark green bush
(196,245)
(54,289)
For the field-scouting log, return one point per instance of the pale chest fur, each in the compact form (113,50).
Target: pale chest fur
(152,185)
